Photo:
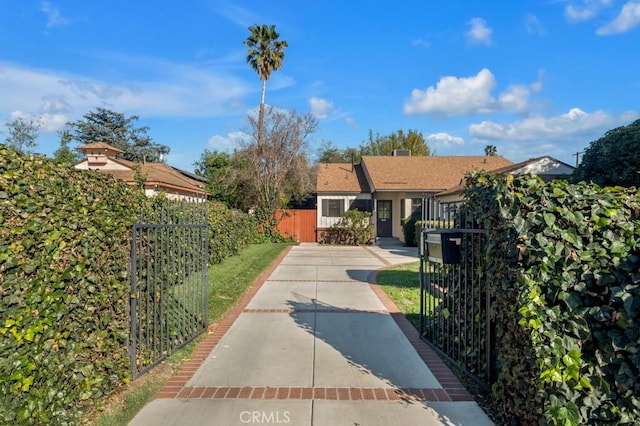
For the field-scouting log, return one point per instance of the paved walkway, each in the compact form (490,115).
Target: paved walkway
(315,343)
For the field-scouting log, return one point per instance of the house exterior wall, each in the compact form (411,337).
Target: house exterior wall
(172,194)
(108,165)
(324,221)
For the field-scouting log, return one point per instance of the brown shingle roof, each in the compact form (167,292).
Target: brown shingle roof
(99,145)
(341,177)
(432,173)
(158,174)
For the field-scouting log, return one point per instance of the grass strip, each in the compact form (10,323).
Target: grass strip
(228,282)
(402,284)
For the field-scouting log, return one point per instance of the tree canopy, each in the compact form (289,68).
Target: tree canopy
(385,145)
(64,154)
(265,54)
(114,128)
(376,145)
(268,176)
(22,134)
(613,159)
(222,171)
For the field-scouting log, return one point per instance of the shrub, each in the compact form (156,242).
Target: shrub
(358,224)
(564,266)
(64,248)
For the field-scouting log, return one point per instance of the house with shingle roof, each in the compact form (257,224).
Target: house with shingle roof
(159,177)
(391,187)
(547,168)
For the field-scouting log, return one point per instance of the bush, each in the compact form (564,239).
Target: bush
(354,227)
(563,262)
(64,249)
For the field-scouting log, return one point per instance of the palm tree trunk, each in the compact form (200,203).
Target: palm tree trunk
(261,113)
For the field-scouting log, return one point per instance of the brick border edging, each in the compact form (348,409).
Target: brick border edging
(454,389)
(177,382)
(313,393)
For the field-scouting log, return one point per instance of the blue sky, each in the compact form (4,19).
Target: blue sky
(532,77)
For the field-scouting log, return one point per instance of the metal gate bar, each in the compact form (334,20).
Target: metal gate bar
(169,281)
(455,299)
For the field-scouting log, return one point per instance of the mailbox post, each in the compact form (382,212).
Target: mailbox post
(443,246)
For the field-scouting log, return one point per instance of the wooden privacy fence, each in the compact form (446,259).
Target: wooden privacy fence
(297,224)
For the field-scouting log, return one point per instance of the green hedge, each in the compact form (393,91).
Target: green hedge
(563,262)
(230,231)
(64,241)
(64,287)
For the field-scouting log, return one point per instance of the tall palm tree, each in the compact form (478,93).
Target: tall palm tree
(265,55)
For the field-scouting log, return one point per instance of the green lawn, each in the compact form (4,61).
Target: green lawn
(402,284)
(228,282)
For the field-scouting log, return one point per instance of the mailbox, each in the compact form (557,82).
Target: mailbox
(443,246)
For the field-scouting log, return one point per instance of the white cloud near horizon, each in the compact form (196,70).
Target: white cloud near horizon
(568,126)
(320,108)
(177,90)
(229,142)
(479,33)
(456,96)
(443,139)
(628,19)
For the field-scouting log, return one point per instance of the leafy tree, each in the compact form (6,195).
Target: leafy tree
(265,54)
(385,145)
(329,153)
(222,171)
(490,150)
(278,171)
(22,134)
(113,128)
(64,154)
(614,159)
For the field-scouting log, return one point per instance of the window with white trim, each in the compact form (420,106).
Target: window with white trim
(332,208)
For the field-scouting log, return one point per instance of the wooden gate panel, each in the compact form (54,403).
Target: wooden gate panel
(297,224)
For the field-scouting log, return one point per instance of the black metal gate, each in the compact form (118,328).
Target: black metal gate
(455,299)
(169,280)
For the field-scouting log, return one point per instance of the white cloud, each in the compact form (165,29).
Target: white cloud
(454,96)
(54,16)
(479,33)
(585,9)
(571,125)
(443,140)
(351,122)
(175,90)
(320,108)
(229,142)
(628,18)
(516,98)
(533,25)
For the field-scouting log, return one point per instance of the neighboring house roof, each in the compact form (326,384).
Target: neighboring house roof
(99,146)
(545,167)
(429,173)
(542,166)
(156,174)
(341,177)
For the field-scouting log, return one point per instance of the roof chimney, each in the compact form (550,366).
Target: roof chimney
(402,153)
